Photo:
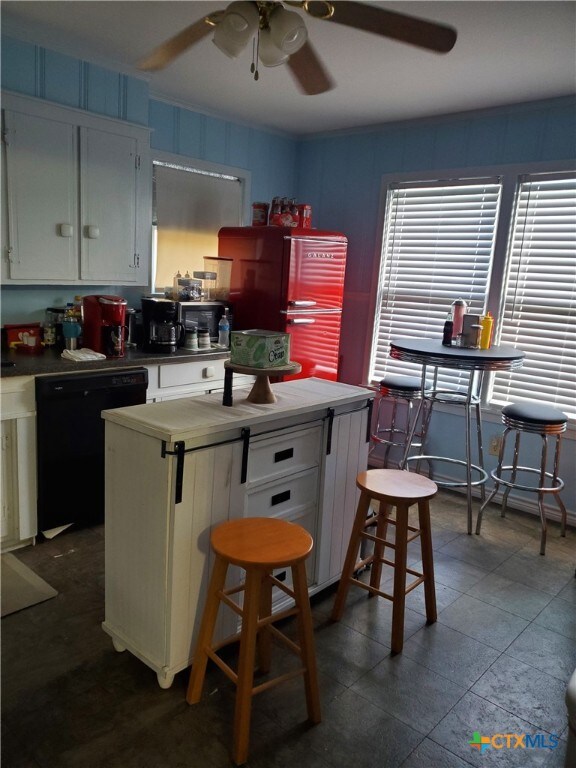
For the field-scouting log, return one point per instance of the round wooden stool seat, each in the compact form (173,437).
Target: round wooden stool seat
(259,545)
(262,542)
(399,489)
(390,484)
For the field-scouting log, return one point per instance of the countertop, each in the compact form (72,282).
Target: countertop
(50,361)
(190,418)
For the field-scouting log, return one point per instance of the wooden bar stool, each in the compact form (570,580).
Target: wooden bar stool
(399,489)
(258,545)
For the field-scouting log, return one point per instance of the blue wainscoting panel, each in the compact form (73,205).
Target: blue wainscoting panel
(162,122)
(136,100)
(560,133)
(419,147)
(215,143)
(239,140)
(486,143)
(523,138)
(103,92)
(62,79)
(191,133)
(451,144)
(19,66)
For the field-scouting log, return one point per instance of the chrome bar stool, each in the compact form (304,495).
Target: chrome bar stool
(542,420)
(393,430)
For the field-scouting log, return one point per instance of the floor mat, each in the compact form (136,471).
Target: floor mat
(21,587)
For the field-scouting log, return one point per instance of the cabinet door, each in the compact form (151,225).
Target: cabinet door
(42,172)
(108,194)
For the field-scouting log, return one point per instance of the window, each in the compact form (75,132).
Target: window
(191,203)
(504,243)
(539,312)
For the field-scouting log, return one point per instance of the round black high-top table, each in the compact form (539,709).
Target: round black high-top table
(431,354)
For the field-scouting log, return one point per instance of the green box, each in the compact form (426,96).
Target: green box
(259,349)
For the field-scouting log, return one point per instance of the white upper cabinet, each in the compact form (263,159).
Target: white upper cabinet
(42,173)
(78,197)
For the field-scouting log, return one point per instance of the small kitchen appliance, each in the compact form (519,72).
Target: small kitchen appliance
(162,329)
(200,315)
(105,324)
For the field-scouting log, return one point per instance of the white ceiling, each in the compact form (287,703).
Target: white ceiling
(507,51)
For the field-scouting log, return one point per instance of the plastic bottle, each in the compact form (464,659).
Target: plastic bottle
(487,323)
(176,286)
(78,309)
(459,308)
(224,330)
(448,331)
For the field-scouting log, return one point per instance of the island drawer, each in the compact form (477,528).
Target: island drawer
(275,457)
(284,497)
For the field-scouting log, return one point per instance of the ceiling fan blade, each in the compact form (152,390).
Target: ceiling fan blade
(172,48)
(309,72)
(398,26)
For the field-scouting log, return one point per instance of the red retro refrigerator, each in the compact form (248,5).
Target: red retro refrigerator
(290,279)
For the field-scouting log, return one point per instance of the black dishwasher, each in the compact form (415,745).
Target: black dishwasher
(70,440)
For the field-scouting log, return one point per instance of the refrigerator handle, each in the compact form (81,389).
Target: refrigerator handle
(300,321)
(301,303)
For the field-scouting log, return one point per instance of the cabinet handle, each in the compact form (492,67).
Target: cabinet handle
(283,455)
(301,320)
(278,498)
(65,230)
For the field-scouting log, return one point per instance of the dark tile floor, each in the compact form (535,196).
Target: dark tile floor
(496,661)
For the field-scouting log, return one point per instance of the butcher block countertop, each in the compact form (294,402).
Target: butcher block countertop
(191,418)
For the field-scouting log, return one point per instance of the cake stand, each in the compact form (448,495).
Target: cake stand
(261,391)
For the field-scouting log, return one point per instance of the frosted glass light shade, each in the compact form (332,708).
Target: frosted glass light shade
(287,30)
(269,54)
(238,25)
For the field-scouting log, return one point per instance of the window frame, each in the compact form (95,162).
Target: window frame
(509,175)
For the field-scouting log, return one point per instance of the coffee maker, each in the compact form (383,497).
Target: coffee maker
(105,324)
(163,332)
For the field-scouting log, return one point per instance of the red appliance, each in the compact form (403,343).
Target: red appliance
(104,328)
(292,280)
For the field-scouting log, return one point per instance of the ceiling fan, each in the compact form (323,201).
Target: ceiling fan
(280,36)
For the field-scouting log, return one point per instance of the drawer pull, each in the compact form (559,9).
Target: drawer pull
(278,498)
(283,455)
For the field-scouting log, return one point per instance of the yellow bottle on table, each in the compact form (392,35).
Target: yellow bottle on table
(487,324)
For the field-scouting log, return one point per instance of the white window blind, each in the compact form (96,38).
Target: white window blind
(539,310)
(437,247)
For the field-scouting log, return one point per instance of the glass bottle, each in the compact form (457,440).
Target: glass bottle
(448,331)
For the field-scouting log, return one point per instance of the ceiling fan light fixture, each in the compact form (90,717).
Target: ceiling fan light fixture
(287,30)
(238,25)
(268,53)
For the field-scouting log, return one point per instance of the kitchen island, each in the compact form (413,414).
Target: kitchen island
(175,469)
